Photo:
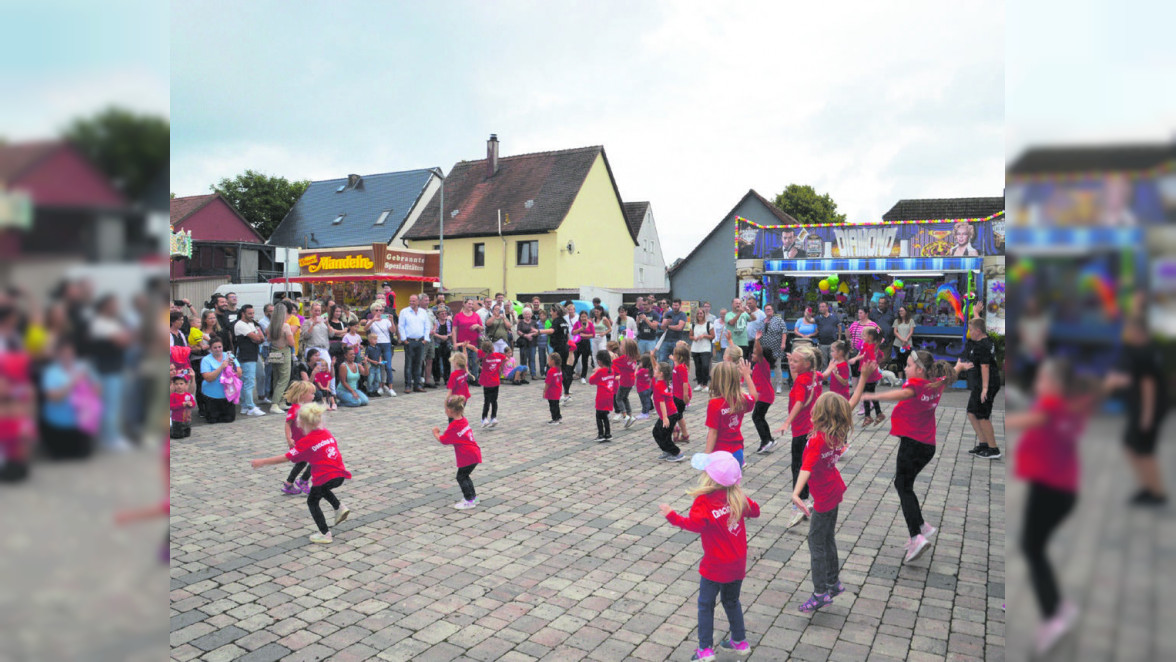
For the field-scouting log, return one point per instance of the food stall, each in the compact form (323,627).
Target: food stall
(934,268)
(355,275)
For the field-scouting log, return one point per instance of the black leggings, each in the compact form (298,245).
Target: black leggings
(304,467)
(760,418)
(566,370)
(798,444)
(318,492)
(621,401)
(872,387)
(702,365)
(1045,510)
(490,401)
(583,352)
(603,428)
(912,457)
(464,482)
(553,405)
(664,434)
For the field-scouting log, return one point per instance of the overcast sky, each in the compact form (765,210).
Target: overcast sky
(695,103)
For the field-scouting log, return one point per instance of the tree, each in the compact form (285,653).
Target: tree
(261,199)
(802,203)
(130,149)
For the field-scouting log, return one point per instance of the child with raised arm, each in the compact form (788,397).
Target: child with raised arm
(468,454)
(801,398)
(298,394)
(606,388)
(725,410)
(643,382)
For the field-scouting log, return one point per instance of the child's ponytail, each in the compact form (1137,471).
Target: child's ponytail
(737,502)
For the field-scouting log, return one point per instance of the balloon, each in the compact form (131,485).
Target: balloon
(518,307)
(844,288)
(823,285)
(833,280)
(890,290)
(898,284)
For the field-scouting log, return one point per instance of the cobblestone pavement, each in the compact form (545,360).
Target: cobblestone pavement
(566,556)
(1117,564)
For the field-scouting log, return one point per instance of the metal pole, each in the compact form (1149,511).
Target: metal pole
(441,243)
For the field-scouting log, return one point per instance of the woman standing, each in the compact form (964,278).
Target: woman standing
(624,323)
(467,327)
(281,338)
(442,345)
(772,342)
(583,330)
(702,336)
(805,329)
(560,334)
(348,380)
(904,331)
(110,338)
(498,329)
(385,330)
(316,334)
(220,410)
(336,329)
(602,328)
(527,333)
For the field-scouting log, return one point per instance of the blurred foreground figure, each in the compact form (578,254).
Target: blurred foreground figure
(1141,371)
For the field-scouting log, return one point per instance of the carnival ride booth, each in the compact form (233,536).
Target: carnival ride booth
(355,275)
(934,268)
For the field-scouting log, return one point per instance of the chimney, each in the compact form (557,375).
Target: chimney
(492,155)
(353,181)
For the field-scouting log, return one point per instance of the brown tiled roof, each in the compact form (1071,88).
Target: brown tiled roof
(536,190)
(182,208)
(1046,160)
(635,216)
(16,159)
(936,208)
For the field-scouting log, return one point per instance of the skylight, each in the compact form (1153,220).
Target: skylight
(341,188)
(383,216)
(338,219)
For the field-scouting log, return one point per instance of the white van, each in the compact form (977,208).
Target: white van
(259,294)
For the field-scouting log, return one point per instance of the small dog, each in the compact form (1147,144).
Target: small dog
(889,378)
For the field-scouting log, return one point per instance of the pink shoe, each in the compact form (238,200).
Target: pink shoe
(1052,631)
(291,489)
(303,486)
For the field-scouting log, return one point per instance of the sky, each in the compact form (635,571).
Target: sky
(65,59)
(695,103)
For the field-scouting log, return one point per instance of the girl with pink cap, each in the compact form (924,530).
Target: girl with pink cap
(717,513)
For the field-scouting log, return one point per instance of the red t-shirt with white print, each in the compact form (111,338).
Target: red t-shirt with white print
(825,483)
(461,437)
(761,376)
(915,417)
(644,381)
(606,388)
(727,422)
(296,432)
(459,383)
(662,394)
(319,448)
(724,547)
(804,388)
(625,369)
(553,384)
(837,387)
(491,363)
(681,381)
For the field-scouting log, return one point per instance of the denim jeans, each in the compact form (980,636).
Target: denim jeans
(644,346)
(375,378)
(265,373)
(386,355)
(111,406)
(646,400)
(347,400)
(414,356)
(472,364)
(663,353)
(248,382)
(823,550)
(708,591)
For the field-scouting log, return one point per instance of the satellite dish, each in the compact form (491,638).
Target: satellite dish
(571,246)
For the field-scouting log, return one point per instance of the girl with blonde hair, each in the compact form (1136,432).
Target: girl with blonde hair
(728,403)
(806,388)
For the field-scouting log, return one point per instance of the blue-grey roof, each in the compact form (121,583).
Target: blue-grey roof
(318,207)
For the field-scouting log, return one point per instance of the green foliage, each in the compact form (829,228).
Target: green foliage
(998,349)
(262,200)
(131,150)
(802,203)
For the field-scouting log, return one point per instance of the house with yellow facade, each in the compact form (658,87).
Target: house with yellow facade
(529,223)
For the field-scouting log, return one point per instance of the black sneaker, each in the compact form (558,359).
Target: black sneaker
(976,450)
(989,453)
(604,439)
(1145,498)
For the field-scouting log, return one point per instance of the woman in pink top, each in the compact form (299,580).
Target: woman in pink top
(583,331)
(913,422)
(467,327)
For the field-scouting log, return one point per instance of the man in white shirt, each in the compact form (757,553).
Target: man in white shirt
(414,329)
(249,338)
(755,326)
(430,351)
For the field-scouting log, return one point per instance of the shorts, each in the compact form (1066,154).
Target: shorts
(1143,442)
(982,410)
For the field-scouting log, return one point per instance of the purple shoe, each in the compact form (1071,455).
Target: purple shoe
(304,485)
(291,489)
(816,602)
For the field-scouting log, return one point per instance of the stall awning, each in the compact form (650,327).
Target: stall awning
(871,265)
(345,278)
(1071,240)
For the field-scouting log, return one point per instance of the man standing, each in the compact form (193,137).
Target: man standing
(829,329)
(736,322)
(221,304)
(430,351)
(484,309)
(414,329)
(674,326)
(755,324)
(647,326)
(233,313)
(883,316)
(263,366)
(560,331)
(249,338)
(389,298)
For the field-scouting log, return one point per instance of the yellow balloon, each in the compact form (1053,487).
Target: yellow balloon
(843,288)
(823,285)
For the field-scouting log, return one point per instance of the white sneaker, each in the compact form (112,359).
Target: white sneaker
(698,388)
(256,411)
(614,417)
(915,548)
(465,505)
(493,423)
(119,445)
(797,516)
(321,538)
(265,401)
(583,381)
(485,422)
(341,514)
(927,530)
(391,391)
(779,389)
(629,421)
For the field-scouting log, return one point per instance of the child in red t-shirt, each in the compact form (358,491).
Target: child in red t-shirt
(913,422)
(606,392)
(181,402)
(718,513)
(667,413)
(643,382)
(319,448)
(724,412)
(837,372)
(625,367)
(298,394)
(761,377)
(321,375)
(553,387)
(832,423)
(869,355)
(490,379)
(459,377)
(682,390)
(468,454)
(806,388)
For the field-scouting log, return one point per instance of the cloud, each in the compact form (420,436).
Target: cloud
(64,97)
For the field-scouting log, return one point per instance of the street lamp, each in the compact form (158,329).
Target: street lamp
(441,242)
